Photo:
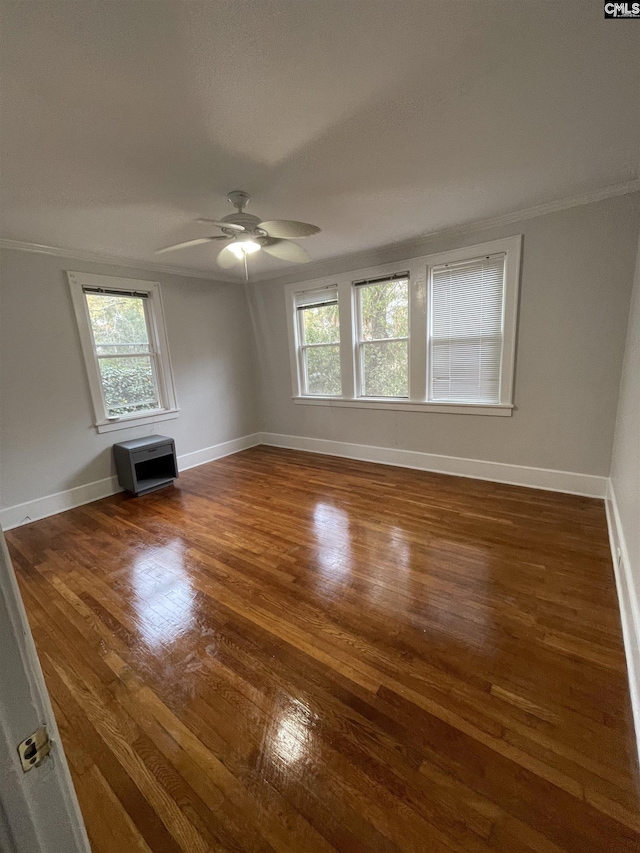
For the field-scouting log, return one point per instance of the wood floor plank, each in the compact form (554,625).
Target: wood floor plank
(291,652)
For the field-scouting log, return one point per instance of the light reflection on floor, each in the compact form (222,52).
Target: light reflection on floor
(389,549)
(393,550)
(163,594)
(333,538)
(291,738)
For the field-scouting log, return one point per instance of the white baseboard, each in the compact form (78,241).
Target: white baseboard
(629,603)
(14,516)
(217,451)
(519,475)
(478,469)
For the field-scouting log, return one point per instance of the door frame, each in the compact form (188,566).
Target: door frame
(39,811)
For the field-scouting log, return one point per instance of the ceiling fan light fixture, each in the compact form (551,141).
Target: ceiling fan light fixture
(240,248)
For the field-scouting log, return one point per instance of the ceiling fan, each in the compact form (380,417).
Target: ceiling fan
(246,234)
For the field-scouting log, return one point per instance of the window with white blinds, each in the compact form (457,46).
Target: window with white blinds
(430,334)
(466,330)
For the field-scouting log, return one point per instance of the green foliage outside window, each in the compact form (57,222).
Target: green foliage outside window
(384,315)
(118,323)
(321,325)
(323,371)
(385,369)
(385,310)
(128,385)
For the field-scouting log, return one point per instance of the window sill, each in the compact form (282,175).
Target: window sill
(143,420)
(503,410)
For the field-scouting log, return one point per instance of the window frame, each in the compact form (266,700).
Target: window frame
(158,345)
(419,272)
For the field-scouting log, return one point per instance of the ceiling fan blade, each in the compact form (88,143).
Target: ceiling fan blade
(226,259)
(288,229)
(230,225)
(187,243)
(287,251)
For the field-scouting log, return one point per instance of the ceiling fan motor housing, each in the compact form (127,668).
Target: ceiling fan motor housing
(247,220)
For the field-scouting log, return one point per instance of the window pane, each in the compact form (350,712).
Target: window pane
(323,370)
(385,369)
(320,325)
(118,323)
(129,384)
(385,310)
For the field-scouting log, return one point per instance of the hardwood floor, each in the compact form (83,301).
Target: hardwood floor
(290,652)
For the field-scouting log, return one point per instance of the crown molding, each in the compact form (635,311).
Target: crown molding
(112,260)
(416,245)
(352,260)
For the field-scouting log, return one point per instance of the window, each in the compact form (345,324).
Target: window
(383,339)
(465,336)
(430,334)
(124,343)
(128,370)
(319,342)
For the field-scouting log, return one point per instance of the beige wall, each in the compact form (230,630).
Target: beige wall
(625,467)
(47,441)
(576,283)
(574,300)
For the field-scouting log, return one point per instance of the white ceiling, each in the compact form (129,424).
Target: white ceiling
(378,120)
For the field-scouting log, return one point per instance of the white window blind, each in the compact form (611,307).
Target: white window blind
(311,298)
(466,330)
